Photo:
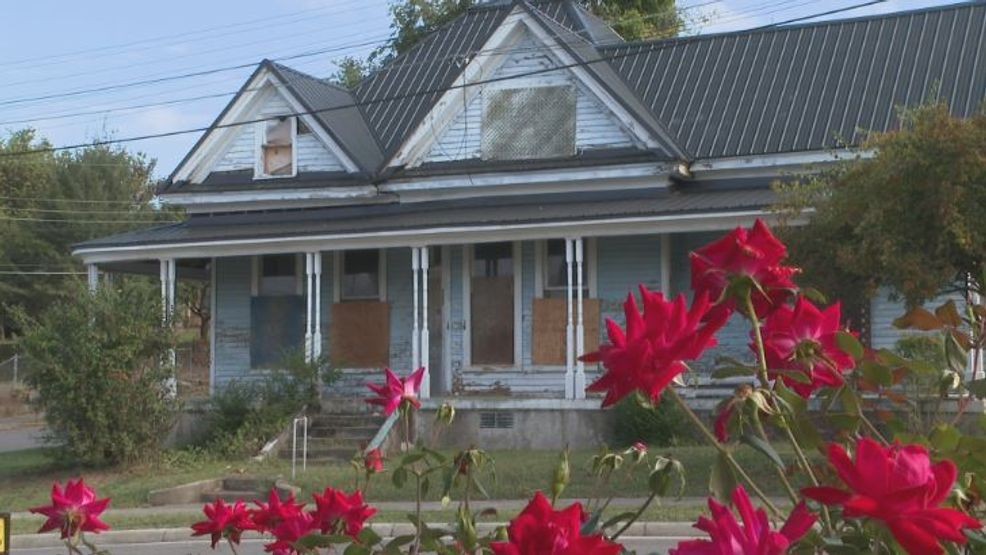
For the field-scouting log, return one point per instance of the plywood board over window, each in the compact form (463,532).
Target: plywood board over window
(550,329)
(360,334)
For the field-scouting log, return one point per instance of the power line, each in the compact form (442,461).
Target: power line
(53,199)
(77,221)
(391,67)
(654,47)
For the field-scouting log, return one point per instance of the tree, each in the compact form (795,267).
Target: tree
(910,217)
(97,365)
(412,20)
(51,201)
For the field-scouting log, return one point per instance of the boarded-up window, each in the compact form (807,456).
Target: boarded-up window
(360,275)
(277,150)
(556,271)
(360,334)
(550,329)
(276,328)
(528,123)
(492,304)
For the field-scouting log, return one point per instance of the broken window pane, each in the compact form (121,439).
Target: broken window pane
(360,275)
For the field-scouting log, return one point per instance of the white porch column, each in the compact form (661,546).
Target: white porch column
(92,272)
(317,311)
(168,278)
(415,329)
(569,327)
(580,325)
(309,270)
(426,382)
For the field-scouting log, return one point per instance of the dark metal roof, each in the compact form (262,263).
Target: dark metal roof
(799,87)
(683,199)
(336,108)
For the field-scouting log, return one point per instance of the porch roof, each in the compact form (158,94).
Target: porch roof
(410,221)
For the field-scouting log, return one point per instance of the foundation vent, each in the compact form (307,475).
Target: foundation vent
(496,420)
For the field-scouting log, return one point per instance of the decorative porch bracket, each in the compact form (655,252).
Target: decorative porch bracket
(419,325)
(313,304)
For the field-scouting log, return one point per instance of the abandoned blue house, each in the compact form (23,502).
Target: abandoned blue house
(480,204)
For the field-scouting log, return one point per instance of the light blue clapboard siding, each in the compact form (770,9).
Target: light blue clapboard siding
(527,302)
(457,318)
(242,152)
(621,264)
(595,125)
(400,289)
(232,314)
(884,310)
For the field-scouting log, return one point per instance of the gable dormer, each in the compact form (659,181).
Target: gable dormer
(282,125)
(526,95)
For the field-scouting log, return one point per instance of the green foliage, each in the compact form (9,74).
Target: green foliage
(99,373)
(663,424)
(909,217)
(41,215)
(243,415)
(413,20)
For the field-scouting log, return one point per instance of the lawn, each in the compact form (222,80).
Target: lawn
(26,476)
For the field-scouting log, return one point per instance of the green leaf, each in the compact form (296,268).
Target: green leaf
(945,438)
(977,387)
(722,480)
(765,448)
(814,295)
(876,373)
(357,549)
(850,344)
(618,518)
(369,537)
(425,486)
(411,458)
(398,542)
(723,372)
(314,541)
(399,477)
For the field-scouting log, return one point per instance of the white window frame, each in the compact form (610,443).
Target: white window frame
(338,259)
(541,267)
(260,135)
(257,268)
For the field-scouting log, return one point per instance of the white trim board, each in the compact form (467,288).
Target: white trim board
(712,221)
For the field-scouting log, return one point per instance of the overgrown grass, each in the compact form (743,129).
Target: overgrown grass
(26,476)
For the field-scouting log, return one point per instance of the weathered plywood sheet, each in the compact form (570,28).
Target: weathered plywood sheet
(492,313)
(550,319)
(360,334)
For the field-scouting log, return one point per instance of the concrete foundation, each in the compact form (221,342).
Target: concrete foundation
(518,424)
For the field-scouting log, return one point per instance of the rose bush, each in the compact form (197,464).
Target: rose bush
(883,489)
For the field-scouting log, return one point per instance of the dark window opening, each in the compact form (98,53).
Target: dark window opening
(360,275)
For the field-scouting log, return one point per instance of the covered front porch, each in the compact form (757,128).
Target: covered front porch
(494,301)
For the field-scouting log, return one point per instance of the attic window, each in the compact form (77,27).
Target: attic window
(528,123)
(277,147)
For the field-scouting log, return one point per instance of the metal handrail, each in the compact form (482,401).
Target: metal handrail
(294,445)
(383,432)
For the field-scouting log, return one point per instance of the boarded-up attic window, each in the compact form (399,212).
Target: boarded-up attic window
(529,123)
(277,149)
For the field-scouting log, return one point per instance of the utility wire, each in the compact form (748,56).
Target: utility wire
(434,90)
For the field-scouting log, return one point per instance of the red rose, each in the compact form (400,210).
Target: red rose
(224,521)
(289,531)
(373,461)
(267,516)
(753,536)
(899,487)
(541,530)
(652,351)
(397,392)
(753,254)
(803,339)
(338,513)
(73,509)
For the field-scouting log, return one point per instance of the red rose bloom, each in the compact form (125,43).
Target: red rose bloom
(289,531)
(397,392)
(224,521)
(373,461)
(803,339)
(899,487)
(652,351)
(753,254)
(267,516)
(339,513)
(753,537)
(541,530)
(73,509)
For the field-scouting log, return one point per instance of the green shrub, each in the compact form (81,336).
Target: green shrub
(663,425)
(245,414)
(99,369)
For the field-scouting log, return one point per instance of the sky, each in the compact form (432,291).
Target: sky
(53,52)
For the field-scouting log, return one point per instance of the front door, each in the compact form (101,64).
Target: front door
(492,304)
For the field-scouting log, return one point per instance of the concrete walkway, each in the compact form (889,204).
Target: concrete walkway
(21,432)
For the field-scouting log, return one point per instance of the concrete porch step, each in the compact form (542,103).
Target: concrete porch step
(355,432)
(231,496)
(345,420)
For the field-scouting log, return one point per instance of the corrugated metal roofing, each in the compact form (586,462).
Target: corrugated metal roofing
(800,87)
(526,209)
